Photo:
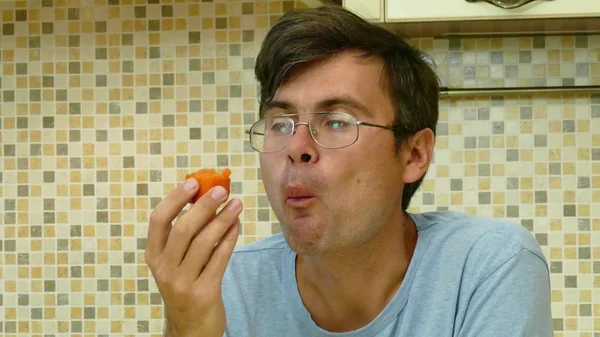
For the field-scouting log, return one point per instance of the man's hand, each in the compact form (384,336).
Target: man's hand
(188,259)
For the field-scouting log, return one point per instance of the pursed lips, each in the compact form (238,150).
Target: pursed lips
(297,195)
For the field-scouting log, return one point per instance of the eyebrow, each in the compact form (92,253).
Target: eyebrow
(282,105)
(323,104)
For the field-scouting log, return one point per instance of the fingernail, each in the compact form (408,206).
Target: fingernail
(234,205)
(218,193)
(190,184)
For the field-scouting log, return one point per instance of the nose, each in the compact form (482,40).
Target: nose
(302,147)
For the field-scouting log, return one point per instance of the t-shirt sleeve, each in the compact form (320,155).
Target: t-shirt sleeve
(513,301)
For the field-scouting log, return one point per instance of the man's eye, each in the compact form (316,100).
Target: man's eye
(280,127)
(336,124)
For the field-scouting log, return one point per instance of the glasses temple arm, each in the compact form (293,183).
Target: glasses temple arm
(254,133)
(377,125)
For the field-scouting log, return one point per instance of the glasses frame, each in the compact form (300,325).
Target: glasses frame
(311,131)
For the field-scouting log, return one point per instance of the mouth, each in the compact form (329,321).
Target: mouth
(298,202)
(298,196)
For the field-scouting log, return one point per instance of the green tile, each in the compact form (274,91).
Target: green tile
(37,313)
(155,93)
(34,42)
(208,77)
(247,36)
(168,79)
(221,23)
(167,11)
(62,299)
(74,67)
(129,299)
(140,12)
(116,271)
(22,122)
(128,257)
(142,189)
(247,8)
(49,285)
(143,326)
(100,26)
(127,40)
(21,68)
(23,299)
(8,29)
(168,120)
(73,13)
(195,64)
(47,27)
(155,148)
(195,133)
(20,15)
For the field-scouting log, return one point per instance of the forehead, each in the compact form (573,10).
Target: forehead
(344,75)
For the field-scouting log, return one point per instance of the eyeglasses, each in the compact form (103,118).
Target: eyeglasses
(331,130)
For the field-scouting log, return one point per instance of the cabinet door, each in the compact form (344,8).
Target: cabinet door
(371,10)
(454,10)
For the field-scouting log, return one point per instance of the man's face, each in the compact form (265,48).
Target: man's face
(354,191)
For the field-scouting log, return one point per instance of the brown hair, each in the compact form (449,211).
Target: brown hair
(302,36)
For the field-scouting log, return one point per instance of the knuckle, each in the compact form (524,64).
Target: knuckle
(226,220)
(159,275)
(181,229)
(148,258)
(181,288)
(163,274)
(157,217)
(198,243)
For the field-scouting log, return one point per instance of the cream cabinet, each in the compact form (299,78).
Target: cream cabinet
(371,10)
(462,10)
(459,10)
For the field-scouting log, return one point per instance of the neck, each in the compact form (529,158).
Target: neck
(346,290)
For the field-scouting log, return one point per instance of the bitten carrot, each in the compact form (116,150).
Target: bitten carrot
(209,178)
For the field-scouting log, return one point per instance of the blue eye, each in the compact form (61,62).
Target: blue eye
(280,127)
(337,124)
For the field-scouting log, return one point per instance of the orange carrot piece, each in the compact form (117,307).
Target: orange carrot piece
(209,178)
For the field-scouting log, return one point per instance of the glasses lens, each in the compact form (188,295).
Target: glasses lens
(334,129)
(271,134)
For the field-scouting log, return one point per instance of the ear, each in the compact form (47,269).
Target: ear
(418,152)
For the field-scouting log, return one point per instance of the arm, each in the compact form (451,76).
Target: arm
(513,301)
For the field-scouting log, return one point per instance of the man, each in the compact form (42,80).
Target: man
(348,115)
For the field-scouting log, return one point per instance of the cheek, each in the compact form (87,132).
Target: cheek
(266,171)
(375,175)
(350,181)
(271,171)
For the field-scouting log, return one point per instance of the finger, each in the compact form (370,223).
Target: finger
(187,226)
(164,213)
(218,261)
(203,245)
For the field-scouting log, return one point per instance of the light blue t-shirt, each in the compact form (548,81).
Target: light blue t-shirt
(469,277)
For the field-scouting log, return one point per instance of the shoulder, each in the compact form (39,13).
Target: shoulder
(483,243)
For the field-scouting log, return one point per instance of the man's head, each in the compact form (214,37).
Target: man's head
(329,59)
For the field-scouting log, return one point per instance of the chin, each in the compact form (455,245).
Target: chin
(304,236)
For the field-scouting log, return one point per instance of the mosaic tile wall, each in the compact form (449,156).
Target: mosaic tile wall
(105,105)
